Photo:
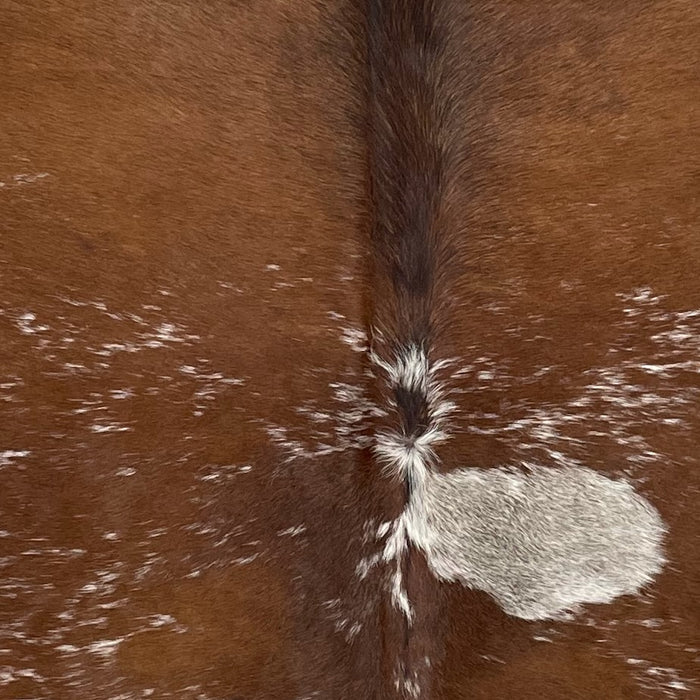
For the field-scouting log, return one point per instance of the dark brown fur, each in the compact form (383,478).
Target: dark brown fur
(414,153)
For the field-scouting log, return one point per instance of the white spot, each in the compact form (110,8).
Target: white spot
(104,647)
(541,543)
(28,178)
(121,394)
(7,456)
(292,531)
(355,338)
(25,321)
(109,428)
(242,561)
(160,620)
(24,179)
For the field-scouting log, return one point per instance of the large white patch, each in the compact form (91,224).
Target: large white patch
(540,543)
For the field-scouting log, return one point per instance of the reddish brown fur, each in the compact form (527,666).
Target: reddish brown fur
(190,145)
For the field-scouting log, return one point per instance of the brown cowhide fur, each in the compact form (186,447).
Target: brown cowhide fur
(273,273)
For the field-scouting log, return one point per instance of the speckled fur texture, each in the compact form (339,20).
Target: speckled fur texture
(349,350)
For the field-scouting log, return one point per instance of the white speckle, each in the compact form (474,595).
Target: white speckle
(355,338)
(242,561)
(109,428)
(24,179)
(652,623)
(272,267)
(25,321)
(28,178)
(292,531)
(353,631)
(660,679)
(74,366)
(366,564)
(407,683)
(120,394)
(161,620)
(104,647)
(7,456)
